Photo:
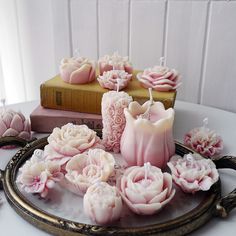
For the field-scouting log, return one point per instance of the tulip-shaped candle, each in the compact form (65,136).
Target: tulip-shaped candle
(147,136)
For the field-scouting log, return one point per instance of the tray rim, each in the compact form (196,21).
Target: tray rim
(59,226)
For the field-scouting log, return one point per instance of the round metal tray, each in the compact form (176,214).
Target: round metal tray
(212,204)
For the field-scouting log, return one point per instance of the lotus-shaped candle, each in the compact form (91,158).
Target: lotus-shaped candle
(114,62)
(77,70)
(109,79)
(146,190)
(103,203)
(85,169)
(160,78)
(147,136)
(204,141)
(14,124)
(70,140)
(38,176)
(193,173)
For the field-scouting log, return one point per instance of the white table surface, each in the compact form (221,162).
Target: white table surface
(187,116)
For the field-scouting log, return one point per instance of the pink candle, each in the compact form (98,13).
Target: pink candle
(147,136)
(14,124)
(113,104)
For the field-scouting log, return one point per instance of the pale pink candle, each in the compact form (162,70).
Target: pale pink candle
(147,136)
(14,124)
(114,62)
(113,104)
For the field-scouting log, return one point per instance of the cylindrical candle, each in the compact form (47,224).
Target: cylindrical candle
(147,136)
(113,104)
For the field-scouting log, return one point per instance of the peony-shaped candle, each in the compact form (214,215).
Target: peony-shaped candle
(193,173)
(145,189)
(113,119)
(114,62)
(68,141)
(147,136)
(103,203)
(77,70)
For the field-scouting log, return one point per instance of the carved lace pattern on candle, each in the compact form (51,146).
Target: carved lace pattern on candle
(113,105)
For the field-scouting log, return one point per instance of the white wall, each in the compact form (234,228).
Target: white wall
(197,37)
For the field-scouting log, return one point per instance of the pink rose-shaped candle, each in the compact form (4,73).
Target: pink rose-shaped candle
(193,172)
(204,141)
(146,190)
(160,78)
(113,119)
(115,61)
(38,175)
(70,140)
(147,136)
(103,203)
(85,169)
(14,124)
(109,79)
(77,70)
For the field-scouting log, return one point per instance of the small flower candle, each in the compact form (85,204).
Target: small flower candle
(13,124)
(77,70)
(160,78)
(113,104)
(114,62)
(193,173)
(147,136)
(205,141)
(145,189)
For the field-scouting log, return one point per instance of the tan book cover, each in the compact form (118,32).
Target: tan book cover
(57,94)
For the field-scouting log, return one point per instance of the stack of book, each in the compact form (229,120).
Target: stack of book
(62,103)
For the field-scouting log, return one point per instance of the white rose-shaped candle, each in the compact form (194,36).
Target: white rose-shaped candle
(85,169)
(103,203)
(193,173)
(113,119)
(147,136)
(146,190)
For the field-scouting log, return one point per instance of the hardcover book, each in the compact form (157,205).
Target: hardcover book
(86,98)
(45,120)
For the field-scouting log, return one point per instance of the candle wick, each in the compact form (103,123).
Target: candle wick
(150,96)
(147,166)
(205,122)
(118,84)
(77,53)
(3,101)
(162,61)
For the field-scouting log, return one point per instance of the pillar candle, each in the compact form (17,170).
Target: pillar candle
(147,136)
(113,104)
